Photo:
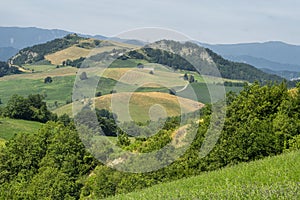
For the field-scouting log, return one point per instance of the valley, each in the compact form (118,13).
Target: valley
(77,113)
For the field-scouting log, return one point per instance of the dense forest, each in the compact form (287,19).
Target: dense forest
(53,163)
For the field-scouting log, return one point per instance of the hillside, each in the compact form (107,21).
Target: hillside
(10,127)
(141,103)
(72,50)
(203,59)
(270,178)
(36,53)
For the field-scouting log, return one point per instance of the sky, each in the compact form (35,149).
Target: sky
(209,21)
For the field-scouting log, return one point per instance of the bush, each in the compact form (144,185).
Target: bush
(48,79)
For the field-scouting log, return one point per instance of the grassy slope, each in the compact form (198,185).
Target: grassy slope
(271,178)
(74,52)
(140,104)
(10,127)
(59,90)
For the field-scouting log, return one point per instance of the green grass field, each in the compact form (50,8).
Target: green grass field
(40,68)
(208,93)
(271,178)
(59,90)
(10,127)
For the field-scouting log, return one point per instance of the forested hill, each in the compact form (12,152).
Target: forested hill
(236,70)
(36,53)
(205,58)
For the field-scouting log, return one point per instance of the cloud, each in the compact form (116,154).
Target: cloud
(212,21)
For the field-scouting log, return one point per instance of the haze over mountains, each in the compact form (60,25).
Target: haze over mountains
(272,57)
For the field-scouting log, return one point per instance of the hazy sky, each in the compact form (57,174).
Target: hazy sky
(226,21)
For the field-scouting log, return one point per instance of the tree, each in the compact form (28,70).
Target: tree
(191,79)
(83,76)
(31,108)
(98,94)
(185,77)
(48,79)
(140,66)
(18,107)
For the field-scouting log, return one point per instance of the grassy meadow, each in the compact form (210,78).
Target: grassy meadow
(271,178)
(10,127)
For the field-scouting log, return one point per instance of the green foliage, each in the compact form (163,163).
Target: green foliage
(241,71)
(5,69)
(48,79)
(48,164)
(271,178)
(74,63)
(261,121)
(249,127)
(161,57)
(31,108)
(105,124)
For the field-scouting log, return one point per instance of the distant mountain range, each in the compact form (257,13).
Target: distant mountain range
(19,38)
(7,52)
(273,57)
(12,39)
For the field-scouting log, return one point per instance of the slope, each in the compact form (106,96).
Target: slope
(10,127)
(271,178)
(141,103)
(206,61)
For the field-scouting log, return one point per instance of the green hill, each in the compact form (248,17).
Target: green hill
(271,178)
(10,127)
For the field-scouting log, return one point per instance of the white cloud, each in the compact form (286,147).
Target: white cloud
(227,21)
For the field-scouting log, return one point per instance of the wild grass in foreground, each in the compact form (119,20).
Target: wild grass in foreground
(271,178)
